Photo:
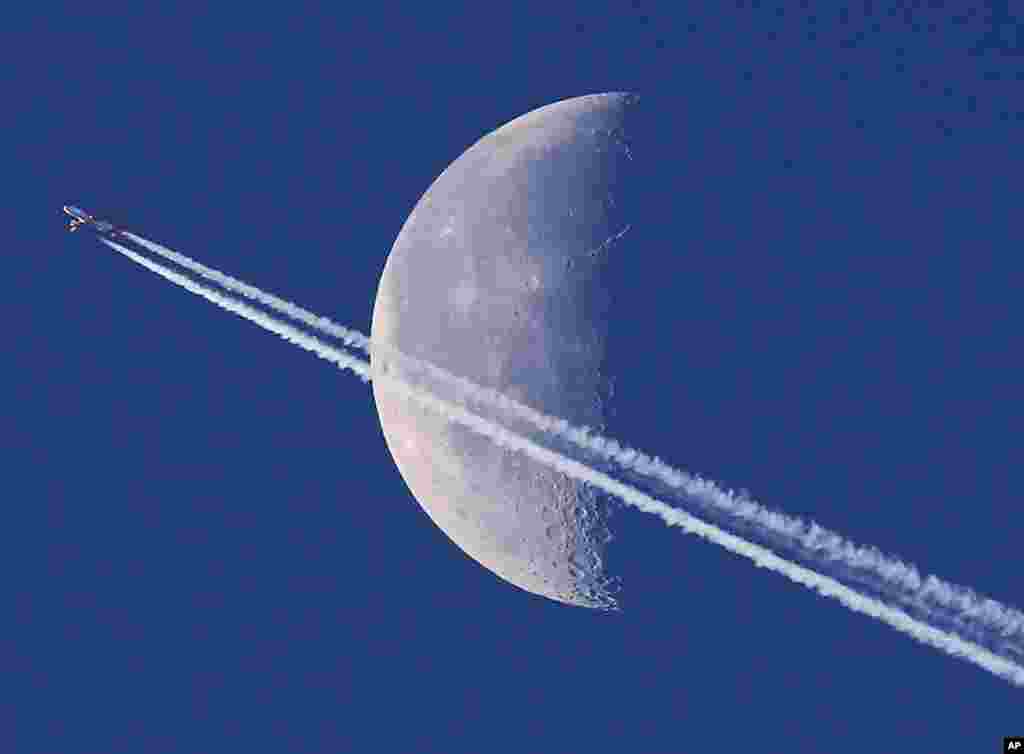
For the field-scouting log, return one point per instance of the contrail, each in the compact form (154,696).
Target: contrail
(761,556)
(930,595)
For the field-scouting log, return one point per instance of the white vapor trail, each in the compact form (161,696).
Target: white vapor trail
(761,556)
(928,594)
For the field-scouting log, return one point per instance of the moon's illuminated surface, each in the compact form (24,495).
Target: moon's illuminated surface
(500,275)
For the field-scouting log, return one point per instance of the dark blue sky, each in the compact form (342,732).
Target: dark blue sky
(215,551)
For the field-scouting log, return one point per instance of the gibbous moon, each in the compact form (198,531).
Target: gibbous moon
(500,275)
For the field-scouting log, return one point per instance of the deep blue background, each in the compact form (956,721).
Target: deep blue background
(214,550)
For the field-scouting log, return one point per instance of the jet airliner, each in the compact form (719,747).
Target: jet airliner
(80,217)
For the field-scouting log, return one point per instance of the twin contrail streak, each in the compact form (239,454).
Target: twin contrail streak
(762,557)
(901,581)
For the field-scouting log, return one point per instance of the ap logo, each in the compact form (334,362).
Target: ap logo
(1014,744)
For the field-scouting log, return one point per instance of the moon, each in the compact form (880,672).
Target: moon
(500,275)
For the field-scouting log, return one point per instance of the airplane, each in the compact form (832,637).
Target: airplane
(80,218)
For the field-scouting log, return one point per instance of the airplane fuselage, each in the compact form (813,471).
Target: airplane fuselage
(78,214)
